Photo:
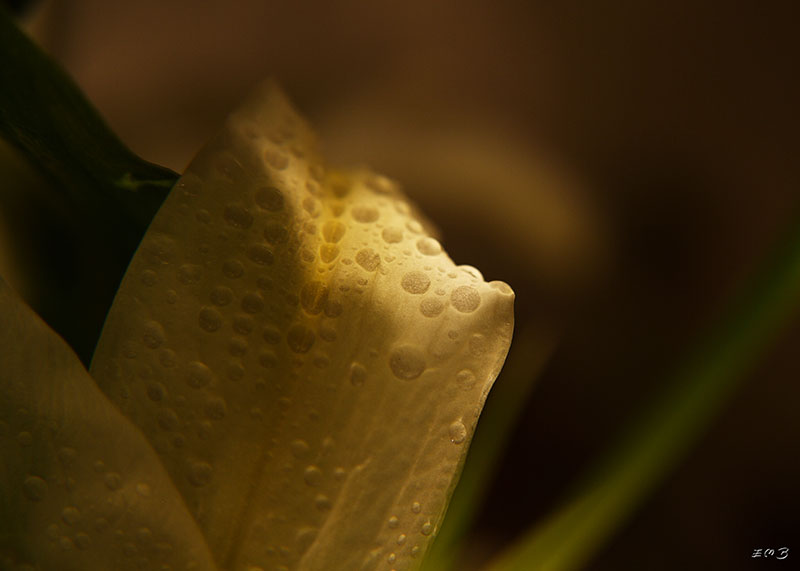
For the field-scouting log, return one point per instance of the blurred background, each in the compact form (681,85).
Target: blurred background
(623,165)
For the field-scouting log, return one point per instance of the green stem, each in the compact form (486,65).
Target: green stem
(659,439)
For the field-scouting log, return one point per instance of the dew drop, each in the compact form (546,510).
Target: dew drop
(237,347)
(25,438)
(313,297)
(267,359)
(392,558)
(167,419)
(252,302)
(392,235)
(189,274)
(394,522)
(199,473)
(70,515)
(465,299)
(328,333)
(458,432)
(82,540)
(269,198)
(311,206)
(243,324)
(415,282)
(416,507)
(312,476)
(153,335)
(156,392)
(272,335)
(275,233)
(299,449)
(407,362)
(364,213)
(216,409)
(209,319)
(328,252)
(167,358)
(238,216)
(198,375)
(322,503)
(300,338)
(34,488)
(67,456)
(431,307)
(427,528)
(260,254)
(401,539)
(232,269)
(235,371)
(429,246)
(333,231)
(276,159)
(358,374)
(414,226)
(149,278)
(113,481)
(465,379)
(368,259)
(333,308)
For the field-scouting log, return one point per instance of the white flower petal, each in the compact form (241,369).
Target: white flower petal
(80,487)
(305,358)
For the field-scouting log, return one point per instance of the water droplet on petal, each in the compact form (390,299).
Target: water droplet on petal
(200,473)
(365,213)
(431,307)
(34,488)
(209,319)
(153,335)
(333,231)
(465,299)
(189,274)
(269,198)
(300,338)
(358,374)
(415,282)
(368,259)
(312,476)
(299,449)
(198,374)
(313,297)
(429,246)
(458,432)
(407,362)
(238,216)
(392,235)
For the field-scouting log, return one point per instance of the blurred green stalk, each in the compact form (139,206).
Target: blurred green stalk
(658,440)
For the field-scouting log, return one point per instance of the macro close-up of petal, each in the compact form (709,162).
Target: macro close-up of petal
(304,357)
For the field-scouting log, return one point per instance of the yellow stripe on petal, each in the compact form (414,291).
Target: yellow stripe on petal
(302,354)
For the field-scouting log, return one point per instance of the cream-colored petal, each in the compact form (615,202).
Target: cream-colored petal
(80,487)
(305,358)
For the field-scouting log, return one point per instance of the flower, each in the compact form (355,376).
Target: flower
(299,364)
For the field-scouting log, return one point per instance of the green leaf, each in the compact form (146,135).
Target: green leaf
(78,232)
(80,487)
(303,356)
(654,443)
